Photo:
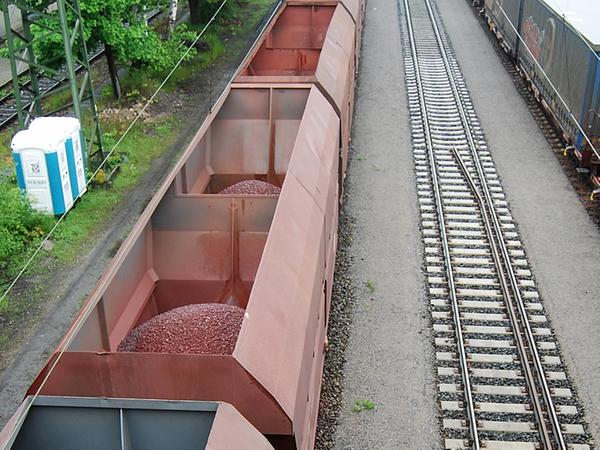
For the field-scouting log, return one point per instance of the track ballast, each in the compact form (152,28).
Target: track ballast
(502,382)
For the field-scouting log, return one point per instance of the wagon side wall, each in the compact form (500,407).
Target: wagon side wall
(504,15)
(566,62)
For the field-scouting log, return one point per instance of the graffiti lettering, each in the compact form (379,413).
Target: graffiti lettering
(533,37)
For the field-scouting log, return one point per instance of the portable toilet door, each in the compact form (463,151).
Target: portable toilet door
(42,170)
(74,146)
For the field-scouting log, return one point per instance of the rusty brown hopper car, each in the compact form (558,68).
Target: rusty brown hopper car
(312,43)
(237,247)
(100,424)
(271,255)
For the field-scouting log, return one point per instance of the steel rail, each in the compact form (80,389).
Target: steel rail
(467,388)
(521,348)
(51,85)
(489,206)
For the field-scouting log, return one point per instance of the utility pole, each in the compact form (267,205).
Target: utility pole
(55,18)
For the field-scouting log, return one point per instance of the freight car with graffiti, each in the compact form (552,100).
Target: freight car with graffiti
(556,43)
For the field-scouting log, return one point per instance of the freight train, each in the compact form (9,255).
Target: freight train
(556,44)
(208,329)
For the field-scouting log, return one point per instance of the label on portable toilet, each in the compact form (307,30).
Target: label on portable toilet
(65,180)
(78,152)
(32,174)
(76,158)
(75,169)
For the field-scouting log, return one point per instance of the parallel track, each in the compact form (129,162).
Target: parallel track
(8,106)
(502,382)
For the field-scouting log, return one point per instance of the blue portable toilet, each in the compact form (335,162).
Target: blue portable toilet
(43,170)
(74,146)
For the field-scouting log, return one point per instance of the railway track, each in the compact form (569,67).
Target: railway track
(502,382)
(8,107)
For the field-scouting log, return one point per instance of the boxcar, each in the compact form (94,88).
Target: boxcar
(559,53)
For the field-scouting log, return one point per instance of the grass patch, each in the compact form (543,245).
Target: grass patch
(370,285)
(57,100)
(215,49)
(363,405)
(10,313)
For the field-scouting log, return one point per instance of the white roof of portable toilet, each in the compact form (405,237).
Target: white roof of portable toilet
(48,141)
(66,124)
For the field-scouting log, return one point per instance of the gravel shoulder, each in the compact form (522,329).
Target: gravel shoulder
(389,355)
(561,241)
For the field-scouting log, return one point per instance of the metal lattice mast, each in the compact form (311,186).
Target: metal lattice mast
(53,20)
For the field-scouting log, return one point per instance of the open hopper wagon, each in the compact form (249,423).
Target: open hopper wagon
(123,424)
(310,42)
(271,255)
(244,228)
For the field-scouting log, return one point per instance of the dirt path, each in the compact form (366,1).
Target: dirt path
(66,293)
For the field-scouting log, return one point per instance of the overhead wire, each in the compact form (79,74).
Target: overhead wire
(70,336)
(68,339)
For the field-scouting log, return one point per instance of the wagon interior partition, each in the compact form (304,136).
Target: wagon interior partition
(292,46)
(311,42)
(251,138)
(200,246)
(105,423)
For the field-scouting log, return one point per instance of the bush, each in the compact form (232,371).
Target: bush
(20,227)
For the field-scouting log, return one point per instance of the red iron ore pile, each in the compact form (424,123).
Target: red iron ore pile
(206,328)
(251,187)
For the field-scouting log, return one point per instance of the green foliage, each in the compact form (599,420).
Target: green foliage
(20,226)
(370,286)
(120,24)
(209,7)
(363,405)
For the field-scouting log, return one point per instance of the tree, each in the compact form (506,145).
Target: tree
(172,15)
(195,11)
(202,10)
(122,27)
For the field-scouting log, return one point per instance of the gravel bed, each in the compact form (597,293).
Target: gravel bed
(206,328)
(251,187)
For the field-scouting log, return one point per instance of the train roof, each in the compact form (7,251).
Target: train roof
(581,15)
